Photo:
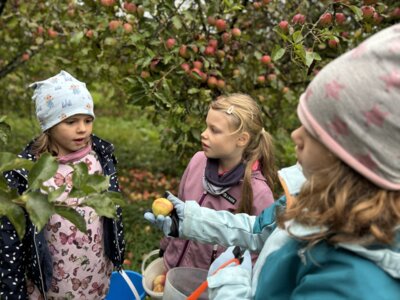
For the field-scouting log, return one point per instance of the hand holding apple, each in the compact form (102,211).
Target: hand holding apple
(162,206)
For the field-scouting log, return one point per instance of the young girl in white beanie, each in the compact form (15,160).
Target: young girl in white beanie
(339,238)
(60,262)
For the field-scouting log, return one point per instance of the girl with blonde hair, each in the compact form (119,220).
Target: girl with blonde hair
(234,172)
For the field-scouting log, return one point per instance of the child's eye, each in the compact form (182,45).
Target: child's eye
(88,121)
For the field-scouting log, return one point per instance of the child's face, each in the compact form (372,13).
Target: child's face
(72,134)
(311,154)
(218,141)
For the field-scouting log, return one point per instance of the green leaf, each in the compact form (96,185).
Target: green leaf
(192,91)
(76,38)
(42,170)
(357,11)
(99,183)
(277,53)
(13,212)
(54,194)
(5,131)
(309,58)
(177,22)
(102,204)
(80,175)
(116,197)
(39,209)
(76,193)
(297,36)
(73,216)
(9,161)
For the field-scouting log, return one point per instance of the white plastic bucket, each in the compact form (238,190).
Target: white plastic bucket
(156,267)
(182,281)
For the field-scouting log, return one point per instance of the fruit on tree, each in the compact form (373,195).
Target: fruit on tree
(130,7)
(299,19)
(325,19)
(162,206)
(220,24)
(145,74)
(210,51)
(52,33)
(183,51)
(211,21)
(25,57)
(170,43)
(212,82)
(261,79)
(367,11)
(265,59)
(236,32)
(213,43)
(197,65)
(40,30)
(128,28)
(333,43)
(107,2)
(340,18)
(89,34)
(284,25)
(185,67)
(221,84)
(114,25)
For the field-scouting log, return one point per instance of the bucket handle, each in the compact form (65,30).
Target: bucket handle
(130,284)
(148,255)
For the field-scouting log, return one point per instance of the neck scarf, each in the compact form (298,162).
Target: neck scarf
(216,184)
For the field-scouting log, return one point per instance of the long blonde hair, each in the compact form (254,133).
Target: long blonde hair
(350,207)
(246,116)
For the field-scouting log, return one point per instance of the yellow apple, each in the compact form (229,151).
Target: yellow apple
(162,206)
(159,288)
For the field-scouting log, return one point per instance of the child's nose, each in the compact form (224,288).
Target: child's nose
(203,134)
(82,127)
(295,135)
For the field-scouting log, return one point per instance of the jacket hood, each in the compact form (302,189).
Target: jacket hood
(387,258)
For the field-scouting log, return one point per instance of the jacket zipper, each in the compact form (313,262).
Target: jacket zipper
(38,262)
(187,242)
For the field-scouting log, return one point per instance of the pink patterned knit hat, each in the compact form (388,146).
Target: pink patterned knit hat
(353,107)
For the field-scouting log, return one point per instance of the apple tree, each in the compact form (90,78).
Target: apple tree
(171,58)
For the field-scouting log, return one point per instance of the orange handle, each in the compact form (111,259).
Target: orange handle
(200,290)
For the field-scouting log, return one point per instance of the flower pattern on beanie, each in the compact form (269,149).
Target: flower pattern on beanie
(60,97)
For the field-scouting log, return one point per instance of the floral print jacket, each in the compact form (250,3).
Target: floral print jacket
(31,256)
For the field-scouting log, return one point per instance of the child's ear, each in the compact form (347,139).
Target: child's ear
(243,139)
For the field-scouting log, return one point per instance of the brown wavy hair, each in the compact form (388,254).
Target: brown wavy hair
(247,117)
(351,208)
(42,144)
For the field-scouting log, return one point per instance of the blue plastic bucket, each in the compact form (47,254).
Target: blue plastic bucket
(119,289)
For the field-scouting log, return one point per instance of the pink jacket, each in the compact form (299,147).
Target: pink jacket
(185,253)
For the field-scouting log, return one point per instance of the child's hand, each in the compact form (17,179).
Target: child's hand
(170,225)
(228,255)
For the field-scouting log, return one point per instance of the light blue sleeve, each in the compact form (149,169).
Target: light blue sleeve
(221,227)
(230,283)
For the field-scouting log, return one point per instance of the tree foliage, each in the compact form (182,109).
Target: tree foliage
(172,58)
